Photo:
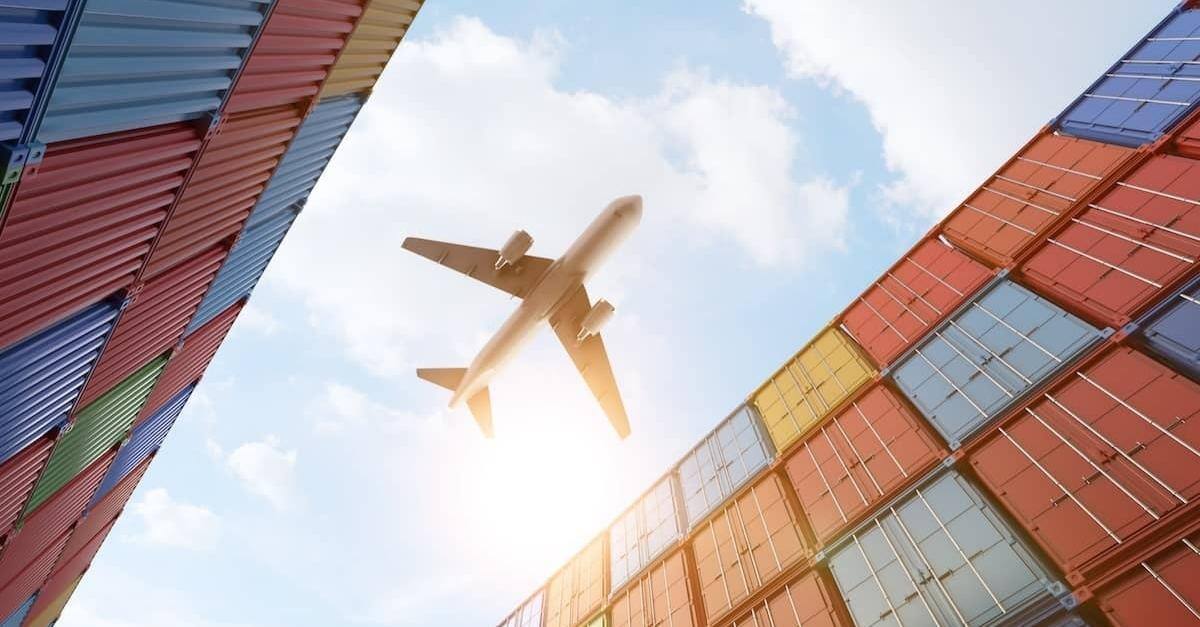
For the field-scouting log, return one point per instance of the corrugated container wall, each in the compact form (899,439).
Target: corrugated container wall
(806,601)
(371,46)
(1174,330)
(50,606)
(985,357)
(33,34)
(1160,590)
(104,508)
(1147,91)
(17,477)
(662,596)
(297,174)
(78,231)
(138,63)
(41,377)
(724,461)
(578,590)
(70,567)
(187,364)
(643,532)
(18,615)
(1105,455)
(15,592)
(143,441)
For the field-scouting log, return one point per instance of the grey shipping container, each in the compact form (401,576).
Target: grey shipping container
(1173,329)
(995,348)
(725,460)
(138,63)
(942,555)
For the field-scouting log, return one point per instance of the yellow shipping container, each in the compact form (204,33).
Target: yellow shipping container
(577,591)
(51,613)
(823,374)
(372,43)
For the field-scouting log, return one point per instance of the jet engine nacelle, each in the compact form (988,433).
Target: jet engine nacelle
(596,318)
(515,248)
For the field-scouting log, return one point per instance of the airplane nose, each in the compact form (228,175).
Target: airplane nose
(629,207)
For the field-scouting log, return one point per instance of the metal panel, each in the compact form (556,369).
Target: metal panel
(41,377)
(725,460)
(17,591)
(78,230)
(981,360)
(1162,590)
(1174,331)
(17,477)
(51,520)
(153,322)
(70,567)
(95,430)
(144,441)
(299,43)
(1147,91)
(1187,140)
(749,543)
(601,620)
(820,377)
(806,601)
(371,45)
(940,555)
(31,37)
(528,615)
(663,596)
(578,590)
(230,173)
(189,362)
(1115,258)
(1017,204)
(138,63)
(50,605)
(910,298)
(860,458)
(18,616)
(105,508)
(1098,459)
(644,531)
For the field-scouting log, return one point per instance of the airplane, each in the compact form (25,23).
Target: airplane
(549,289)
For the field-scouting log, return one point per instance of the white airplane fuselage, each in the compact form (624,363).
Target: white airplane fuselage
(559,282)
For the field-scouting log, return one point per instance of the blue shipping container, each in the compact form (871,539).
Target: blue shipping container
(138,63)
(722,463)
(1147,92)
(18,616)
(41,377)
(1173,329)
(144,440)
(993,350)
(33,36)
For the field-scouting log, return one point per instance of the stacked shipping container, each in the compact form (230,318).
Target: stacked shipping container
(1000,430)
(154,155)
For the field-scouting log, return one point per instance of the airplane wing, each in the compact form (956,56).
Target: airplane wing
(590,359)
(480,263)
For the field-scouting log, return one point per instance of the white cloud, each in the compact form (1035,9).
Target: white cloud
(954,87)
(257,319)
(267,470)
(714,160)
(168,522)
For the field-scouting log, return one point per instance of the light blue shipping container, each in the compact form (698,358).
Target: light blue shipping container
(18,616)
(138,63)
(144,440)
(42,376)
(987,355)
(1147,92)
(33,34)
(723,462)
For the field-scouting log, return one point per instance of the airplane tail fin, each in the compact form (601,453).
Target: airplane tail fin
(480,404)
(448,378)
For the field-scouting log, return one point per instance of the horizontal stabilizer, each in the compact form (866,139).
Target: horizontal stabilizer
(481,408)
(448,378)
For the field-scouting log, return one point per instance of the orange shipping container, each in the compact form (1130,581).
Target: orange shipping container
(577,591)
(746,545)
(806,601)
(660,598)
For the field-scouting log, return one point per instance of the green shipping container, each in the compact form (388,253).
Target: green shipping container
(97,428)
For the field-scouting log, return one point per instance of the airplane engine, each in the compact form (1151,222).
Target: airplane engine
(596,318)
(514,249)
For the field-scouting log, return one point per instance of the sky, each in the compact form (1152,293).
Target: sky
(787,151)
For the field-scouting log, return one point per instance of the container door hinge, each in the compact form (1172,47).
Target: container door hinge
(12,159)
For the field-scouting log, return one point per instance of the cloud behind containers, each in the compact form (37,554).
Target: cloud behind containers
(271,218)
(42,376)
(1147,91)
(725,460)
(139,63)
(942,555)
(1107,455)
(1173,329)
(578,590)
(78,230)
(985,357)
(643,532)
(374,40)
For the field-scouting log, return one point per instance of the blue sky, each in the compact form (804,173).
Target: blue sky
(787,152)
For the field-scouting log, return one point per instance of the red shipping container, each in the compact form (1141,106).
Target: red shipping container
(103,513)
(17,477)
(52,519)
(298,44)
(78,230)
(230,174)
(188,364)
(1108,454)
(745,546)
(1021,200)
(153,322)
(806,601)
(1129,248)
(1162,590)
(16,591)
(661,596)
(911,298)
(863,456)
(1187,143)
(71,566)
